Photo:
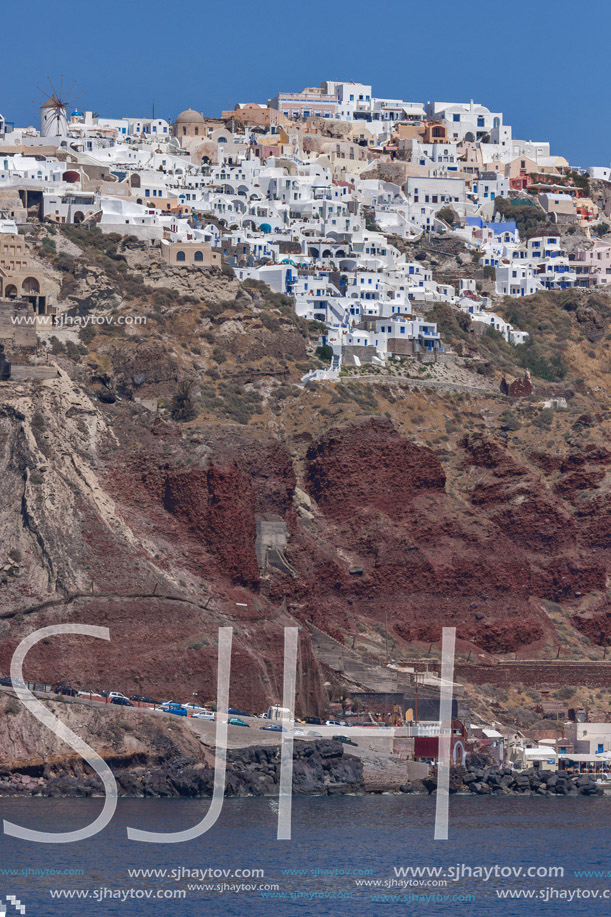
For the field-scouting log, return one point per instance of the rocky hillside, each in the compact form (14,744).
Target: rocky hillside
(133,483)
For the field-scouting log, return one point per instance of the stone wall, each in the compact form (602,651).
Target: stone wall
(537,674)
(364,354)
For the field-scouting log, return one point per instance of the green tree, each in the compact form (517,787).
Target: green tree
(182,408)
(325,353)
(448,215)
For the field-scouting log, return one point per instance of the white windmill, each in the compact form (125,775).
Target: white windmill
(53,114)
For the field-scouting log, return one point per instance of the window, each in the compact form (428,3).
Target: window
(180,256)
(199,256)
(454,118)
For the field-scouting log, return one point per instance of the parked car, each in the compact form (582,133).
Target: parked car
(332,723)
(194,708)
(113,694)
(235,721)
(204,715)
(299,732)
(176,709)
(236,711)
(66,690)
(315,735)
(312,720)
(90,695)
(121,702)
(18,683)
(144,700)
(345,740)
(275,727)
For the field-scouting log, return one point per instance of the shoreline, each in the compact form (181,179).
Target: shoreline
(320,768)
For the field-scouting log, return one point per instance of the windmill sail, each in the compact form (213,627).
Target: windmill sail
(53,109)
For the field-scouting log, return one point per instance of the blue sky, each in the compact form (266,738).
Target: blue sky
(544,64)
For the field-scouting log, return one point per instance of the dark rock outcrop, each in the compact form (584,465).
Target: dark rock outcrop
(503,781)
(319,768)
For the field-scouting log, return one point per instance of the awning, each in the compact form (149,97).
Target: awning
(585,759)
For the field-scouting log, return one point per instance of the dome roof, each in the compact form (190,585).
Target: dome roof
(190,117)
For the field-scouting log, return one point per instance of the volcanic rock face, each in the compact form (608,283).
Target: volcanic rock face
(369,466)
(218,506)
(94,532)
(428,561)
(129,524)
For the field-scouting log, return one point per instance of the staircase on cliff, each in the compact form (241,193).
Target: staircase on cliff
(352,666)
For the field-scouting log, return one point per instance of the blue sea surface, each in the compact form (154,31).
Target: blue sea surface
(345,857)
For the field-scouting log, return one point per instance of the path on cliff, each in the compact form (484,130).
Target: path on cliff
(435,384)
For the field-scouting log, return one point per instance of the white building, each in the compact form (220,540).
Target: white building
(599,173)
(514,279)
(470,121)
(589,738)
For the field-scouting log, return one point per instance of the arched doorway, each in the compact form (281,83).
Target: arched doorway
(11,291)
(30,286)
(458,753)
